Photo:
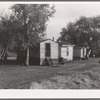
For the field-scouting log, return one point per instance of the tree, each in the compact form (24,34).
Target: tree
(64,38)
(96,35)
(32,19)
(7,34)
(84,32)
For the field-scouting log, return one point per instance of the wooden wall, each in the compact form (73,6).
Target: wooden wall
(79,52)
(70,53)
(64,50)
(54,50)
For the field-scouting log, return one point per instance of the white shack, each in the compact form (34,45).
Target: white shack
(49,48)
(67,52)
(79,52)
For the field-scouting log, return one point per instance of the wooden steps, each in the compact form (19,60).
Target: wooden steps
(47,61)
(50,62)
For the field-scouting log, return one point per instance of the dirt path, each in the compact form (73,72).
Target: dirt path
(22,77)
(81,75)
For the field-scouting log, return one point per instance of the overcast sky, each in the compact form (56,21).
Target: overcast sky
(65,12)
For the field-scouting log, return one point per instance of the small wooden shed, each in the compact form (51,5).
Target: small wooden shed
(79,52)
(49,48)
(67,52)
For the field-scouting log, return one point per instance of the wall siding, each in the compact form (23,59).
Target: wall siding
(42,52)
(59,51)
(82,53)
(79,52)
(64,53)
(70,53)
(54,50)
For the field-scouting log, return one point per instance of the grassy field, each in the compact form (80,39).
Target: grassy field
(78,74)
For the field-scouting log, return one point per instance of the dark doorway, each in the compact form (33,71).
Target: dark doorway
(47,50)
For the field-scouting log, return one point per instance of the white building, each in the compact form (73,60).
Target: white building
(67,52)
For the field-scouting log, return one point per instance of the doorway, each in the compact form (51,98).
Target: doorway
(47,50)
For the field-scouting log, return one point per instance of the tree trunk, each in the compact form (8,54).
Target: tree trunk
(27,56)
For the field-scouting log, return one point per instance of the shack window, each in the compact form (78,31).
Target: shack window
(47,50)
(67,51)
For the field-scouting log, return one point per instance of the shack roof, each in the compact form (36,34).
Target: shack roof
(80,47)
(47,40)
(62,44)
(66,45)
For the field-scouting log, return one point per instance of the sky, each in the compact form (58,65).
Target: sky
(65,12)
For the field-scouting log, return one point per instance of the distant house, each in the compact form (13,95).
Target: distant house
(79,52)
(67,52)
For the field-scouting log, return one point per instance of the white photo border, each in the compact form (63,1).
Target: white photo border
(40,93)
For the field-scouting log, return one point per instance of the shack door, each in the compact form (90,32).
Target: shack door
(47,50)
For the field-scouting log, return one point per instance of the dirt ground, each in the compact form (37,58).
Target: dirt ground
(78,74)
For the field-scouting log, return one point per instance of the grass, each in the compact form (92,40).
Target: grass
(78,74)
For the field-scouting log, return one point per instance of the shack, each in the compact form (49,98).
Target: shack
(79,52)
(67,52)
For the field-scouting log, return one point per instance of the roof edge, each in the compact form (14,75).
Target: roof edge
(48,39)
